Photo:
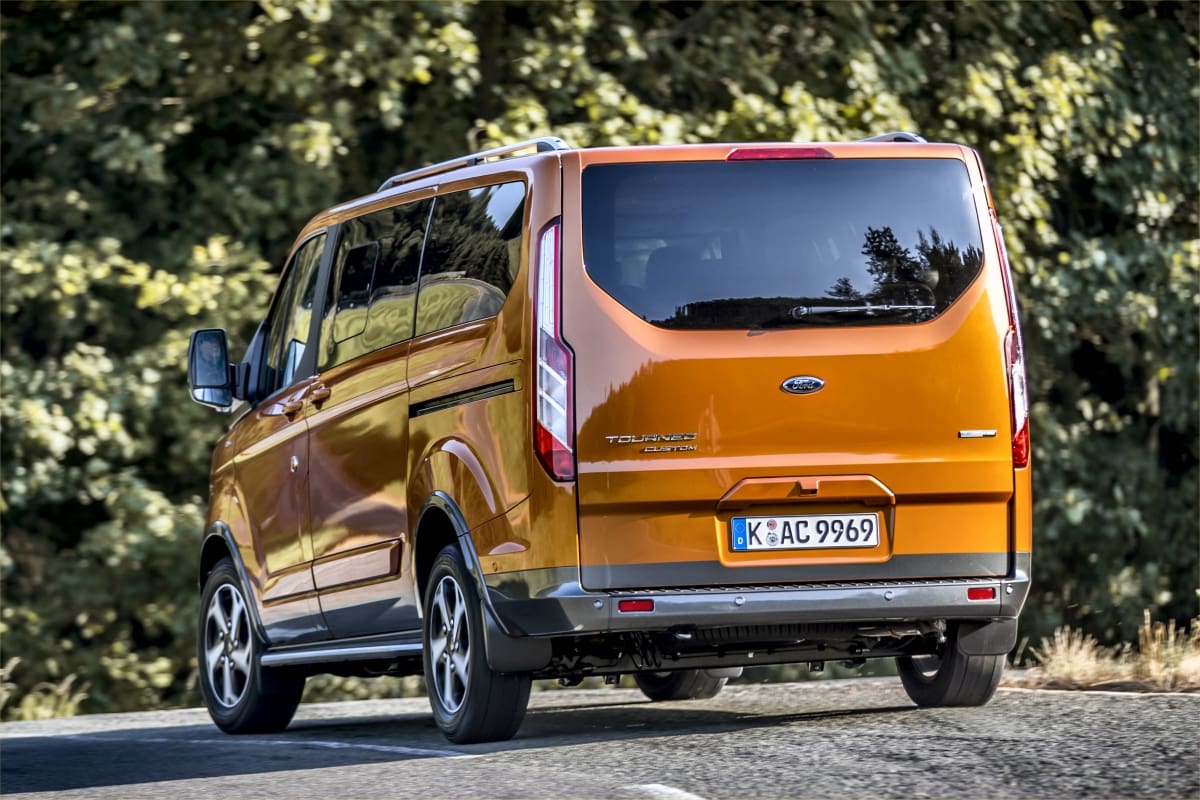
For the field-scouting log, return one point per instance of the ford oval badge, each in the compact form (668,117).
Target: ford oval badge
(803,384)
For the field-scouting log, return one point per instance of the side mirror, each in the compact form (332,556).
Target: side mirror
(208,368)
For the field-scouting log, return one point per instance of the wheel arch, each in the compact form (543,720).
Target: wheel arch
(214,548)
(440,523)
(218,544)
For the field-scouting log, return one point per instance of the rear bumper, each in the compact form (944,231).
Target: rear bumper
(553,603)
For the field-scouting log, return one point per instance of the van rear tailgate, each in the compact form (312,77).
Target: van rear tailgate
(688,439)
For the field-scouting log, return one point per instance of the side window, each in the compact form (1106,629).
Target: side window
(472,255)
(372,294)
(354,289)
(291,316)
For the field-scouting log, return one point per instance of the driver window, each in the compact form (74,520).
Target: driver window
(291,317)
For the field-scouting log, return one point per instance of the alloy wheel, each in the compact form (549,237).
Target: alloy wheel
(926,667)
(228,645)
(449,644)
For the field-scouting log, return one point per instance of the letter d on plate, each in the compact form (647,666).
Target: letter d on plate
(802,384)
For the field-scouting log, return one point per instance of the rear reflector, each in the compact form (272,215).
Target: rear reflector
(764,153)
(982,593)
(628,606)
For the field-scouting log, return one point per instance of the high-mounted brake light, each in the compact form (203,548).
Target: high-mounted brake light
(554,427)
(1014,359)
(781,153)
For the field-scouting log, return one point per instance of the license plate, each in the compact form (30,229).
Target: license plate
(805,532)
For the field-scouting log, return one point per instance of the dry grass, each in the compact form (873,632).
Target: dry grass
(46,701)
(1167,659)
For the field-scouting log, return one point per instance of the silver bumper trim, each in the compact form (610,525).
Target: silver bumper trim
(560,606)
(875,604)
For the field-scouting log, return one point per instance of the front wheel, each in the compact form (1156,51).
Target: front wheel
(950,679)
(682,684)
(471,702)
(241,695)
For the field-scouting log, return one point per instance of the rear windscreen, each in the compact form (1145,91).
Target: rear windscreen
(762,244)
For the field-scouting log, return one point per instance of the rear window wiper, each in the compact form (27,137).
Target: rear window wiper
(865,309)
(828,314)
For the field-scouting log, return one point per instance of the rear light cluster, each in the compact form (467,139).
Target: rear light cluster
(1014,359)
(554,428)
(1014,356)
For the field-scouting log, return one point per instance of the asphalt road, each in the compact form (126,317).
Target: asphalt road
(844,739)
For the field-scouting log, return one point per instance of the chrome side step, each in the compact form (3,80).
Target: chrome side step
(332,652)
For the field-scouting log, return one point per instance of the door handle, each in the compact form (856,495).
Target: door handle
(291,408)
(805,489)
(319,394)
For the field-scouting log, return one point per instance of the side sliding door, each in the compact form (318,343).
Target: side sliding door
(358,424)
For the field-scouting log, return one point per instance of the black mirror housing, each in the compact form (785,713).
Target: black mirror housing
(209,377)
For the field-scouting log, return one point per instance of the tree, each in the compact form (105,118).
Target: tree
(888,261)
(157,158)
(843,289)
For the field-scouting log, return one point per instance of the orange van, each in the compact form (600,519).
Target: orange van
(541,412)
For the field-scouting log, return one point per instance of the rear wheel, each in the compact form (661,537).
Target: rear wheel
(471,703)
(683,684)
(950,678)
(241,695)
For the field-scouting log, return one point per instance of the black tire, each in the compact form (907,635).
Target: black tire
(241,695)
(682,684)
(950,678)
(471,702)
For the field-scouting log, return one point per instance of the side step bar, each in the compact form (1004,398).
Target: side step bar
(371,649)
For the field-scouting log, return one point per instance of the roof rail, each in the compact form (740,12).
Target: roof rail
(543,145)
(897,136)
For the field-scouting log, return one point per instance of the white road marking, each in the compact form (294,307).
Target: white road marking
(660,791)
(240,741)
(1086,692)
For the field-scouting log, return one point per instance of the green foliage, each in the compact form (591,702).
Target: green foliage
(326,688)
(158,158)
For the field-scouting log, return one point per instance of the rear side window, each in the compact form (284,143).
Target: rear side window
(472,255)
(759,244)
(373,292)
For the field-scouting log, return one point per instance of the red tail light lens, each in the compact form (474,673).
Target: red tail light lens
(554,428)
(981,593)
(783,153)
